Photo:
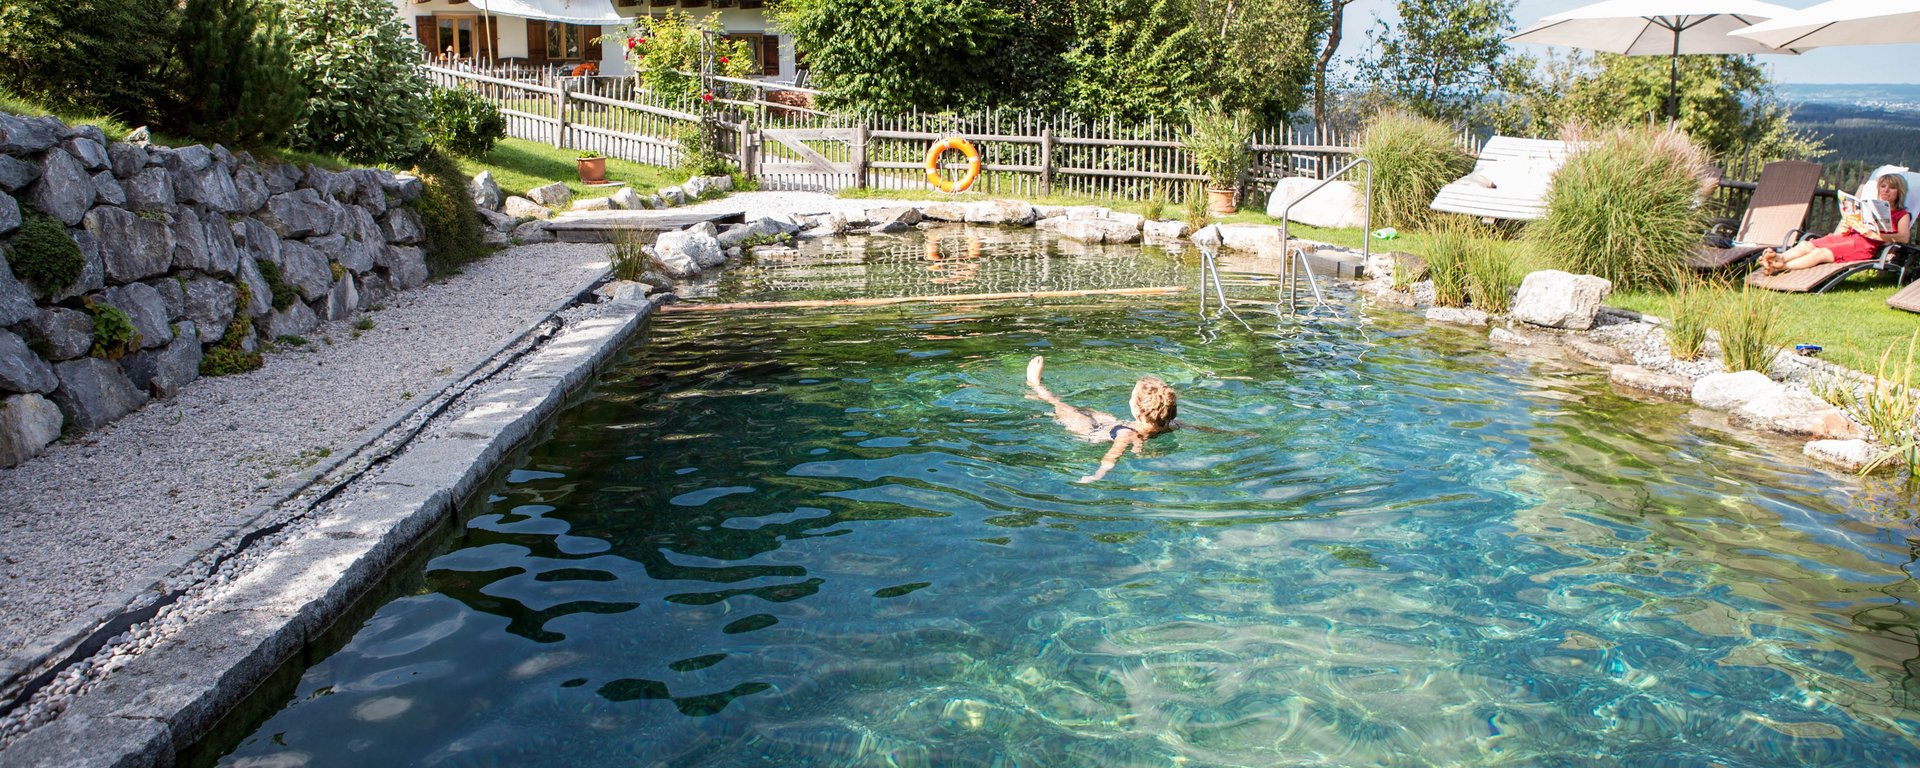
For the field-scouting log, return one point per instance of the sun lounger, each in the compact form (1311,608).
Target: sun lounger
(1899,260)
(1908,298)
(1773,217)
(1509,181)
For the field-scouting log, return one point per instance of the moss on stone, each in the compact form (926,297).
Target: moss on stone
(113,332)
(283,294)
(42,253)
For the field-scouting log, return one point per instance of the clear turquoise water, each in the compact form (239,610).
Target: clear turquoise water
(848,538)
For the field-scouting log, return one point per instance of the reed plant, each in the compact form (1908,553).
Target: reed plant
(1626,208)
(1196,208)
(1412,158)
(630,258)
(1450,248)
(1690,313)
(1156,203)
(1749,321)
(1888,406)
(1492,277)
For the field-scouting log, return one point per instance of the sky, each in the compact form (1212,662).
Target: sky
(1853,64)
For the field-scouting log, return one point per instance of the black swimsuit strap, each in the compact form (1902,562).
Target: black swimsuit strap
(1114,434)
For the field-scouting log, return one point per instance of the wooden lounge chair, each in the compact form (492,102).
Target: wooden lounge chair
(1894,259)
(1509,181)
(1908,298)
(1773,218)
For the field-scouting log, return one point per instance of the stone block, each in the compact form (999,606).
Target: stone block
(251,187)
(146,309)
(16,174)
(406,267)
(20,136)
(107,190)
(90,153)
(342,301)
(62,333)
(532,233)
(1651,382)
(296,320)
(132,247)
(517,207)
(402,226)
(1164,230)
(1727,391)
(126,159)
(163,372)
(300,213)
(93,393)
(486,192)
(1457,316)
(1850,455)
(305,268)
(553,195)
(21,370)
(1554,299)
(150,189)
(627,200)
(65,190)
(260,295)
(209,303)
(173,295)
(28,424)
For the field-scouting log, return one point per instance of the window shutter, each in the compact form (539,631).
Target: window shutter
(590,37)
(770,56)
(429,33)
(537,41)
(752,3)
(493,39)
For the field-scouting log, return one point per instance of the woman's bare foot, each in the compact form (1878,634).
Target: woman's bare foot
(1771,263)
(1034,367)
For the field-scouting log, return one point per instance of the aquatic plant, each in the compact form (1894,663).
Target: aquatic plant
(1749,322)
(1449,249)
(1689,315)
(630,259)
(1888,406)
(1491,277)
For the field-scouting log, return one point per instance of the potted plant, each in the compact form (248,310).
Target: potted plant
(1218,138)
(593,167)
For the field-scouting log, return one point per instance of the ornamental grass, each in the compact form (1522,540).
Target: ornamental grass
(1626,208)
(1412,158)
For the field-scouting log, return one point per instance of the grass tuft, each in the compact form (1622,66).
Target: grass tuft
(1690,310)
(1749,323)
(1450,247)
(1626,208)
(1412,157)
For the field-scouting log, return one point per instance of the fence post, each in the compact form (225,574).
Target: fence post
(860,156)
(560,135)
(1046,160)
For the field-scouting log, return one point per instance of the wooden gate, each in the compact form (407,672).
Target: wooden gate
(817,159)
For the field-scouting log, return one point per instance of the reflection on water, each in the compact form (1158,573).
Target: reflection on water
(850,539)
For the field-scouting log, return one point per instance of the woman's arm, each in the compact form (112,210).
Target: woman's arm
(1902,232)
(1108,461)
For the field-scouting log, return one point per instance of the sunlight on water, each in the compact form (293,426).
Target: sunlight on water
(850,538)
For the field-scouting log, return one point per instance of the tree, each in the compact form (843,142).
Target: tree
(1726,102)
(87,55)
(1259,52)
(1445,56)
(366,94)
(1135,59)
(931,54)
(666,53)
(230,78)
(1336,20)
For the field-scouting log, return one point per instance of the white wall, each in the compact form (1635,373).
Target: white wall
(513,31)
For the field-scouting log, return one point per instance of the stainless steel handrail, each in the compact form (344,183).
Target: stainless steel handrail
(1288,252)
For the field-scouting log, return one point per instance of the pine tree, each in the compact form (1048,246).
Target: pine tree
(230,77)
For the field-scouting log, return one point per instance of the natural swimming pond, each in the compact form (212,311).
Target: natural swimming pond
(848,537)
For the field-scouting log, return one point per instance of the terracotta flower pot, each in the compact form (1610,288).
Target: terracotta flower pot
(1220,201)
(593,170)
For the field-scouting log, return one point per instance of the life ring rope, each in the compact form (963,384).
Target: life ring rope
(946,145)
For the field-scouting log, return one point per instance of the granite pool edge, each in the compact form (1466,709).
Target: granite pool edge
(163,700)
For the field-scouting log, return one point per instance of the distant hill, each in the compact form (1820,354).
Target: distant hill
(1869,125)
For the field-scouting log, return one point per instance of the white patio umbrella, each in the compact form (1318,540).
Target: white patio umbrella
(1657,28)
(1841,22)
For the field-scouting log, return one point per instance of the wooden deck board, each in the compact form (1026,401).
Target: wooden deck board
(606,226)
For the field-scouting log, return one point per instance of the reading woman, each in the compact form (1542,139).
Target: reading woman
(1853,240)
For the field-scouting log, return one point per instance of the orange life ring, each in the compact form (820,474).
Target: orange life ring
(933,165)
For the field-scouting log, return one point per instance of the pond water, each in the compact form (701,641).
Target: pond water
(848,537)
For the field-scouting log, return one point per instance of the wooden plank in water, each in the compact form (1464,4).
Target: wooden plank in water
(874,302)
(606,226)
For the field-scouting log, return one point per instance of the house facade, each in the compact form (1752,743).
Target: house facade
(563,33)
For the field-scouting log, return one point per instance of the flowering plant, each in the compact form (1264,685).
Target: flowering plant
(665,53)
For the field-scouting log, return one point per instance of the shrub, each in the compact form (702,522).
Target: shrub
(461,122)
(1749,322)
(700,153)
(455,235)
(230,78)
(1412,158)
(1689,313)
(113,332)
(1449,249)
(87,55)
(1626,208)
(366,94)
(226,361)
(666,51)
(42,253)
(283,295)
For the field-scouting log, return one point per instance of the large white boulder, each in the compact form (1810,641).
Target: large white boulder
(1555,299)
(687,252)
(1338,204)
(1727,391)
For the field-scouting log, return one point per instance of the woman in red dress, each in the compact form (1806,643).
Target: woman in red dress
(1848,242)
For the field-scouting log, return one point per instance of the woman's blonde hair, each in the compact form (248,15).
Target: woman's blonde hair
(1899,183)
(1154,402)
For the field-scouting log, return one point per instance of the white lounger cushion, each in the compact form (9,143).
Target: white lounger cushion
(1520,171)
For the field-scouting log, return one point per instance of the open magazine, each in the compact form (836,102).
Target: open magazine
(1866,215)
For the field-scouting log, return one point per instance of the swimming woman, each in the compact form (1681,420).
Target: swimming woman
(1154,408)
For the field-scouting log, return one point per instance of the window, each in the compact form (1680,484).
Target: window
(458,36)
(765,50)
(568,41)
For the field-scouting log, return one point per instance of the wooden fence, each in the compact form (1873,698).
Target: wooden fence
(784,144)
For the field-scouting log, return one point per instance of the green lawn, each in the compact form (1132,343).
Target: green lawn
(519,165)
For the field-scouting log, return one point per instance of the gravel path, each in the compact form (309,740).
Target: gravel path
(99,517)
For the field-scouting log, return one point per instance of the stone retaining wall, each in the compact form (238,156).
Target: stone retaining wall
(180,240)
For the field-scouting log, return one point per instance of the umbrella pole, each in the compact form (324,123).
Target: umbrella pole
(1673,81)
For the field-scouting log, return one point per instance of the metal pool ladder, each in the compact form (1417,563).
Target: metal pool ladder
(1288,290)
